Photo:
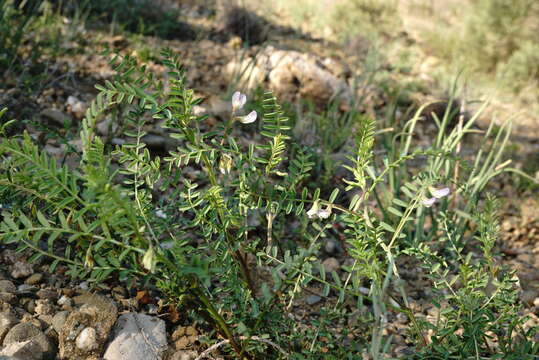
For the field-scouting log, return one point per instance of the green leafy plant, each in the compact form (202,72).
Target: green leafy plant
(477,315)
(183,221)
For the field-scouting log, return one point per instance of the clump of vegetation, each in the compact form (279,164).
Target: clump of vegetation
(190,235)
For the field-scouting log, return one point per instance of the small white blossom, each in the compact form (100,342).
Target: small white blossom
(249,118)
(160,214)
(317,211)
(440,193)
(314,210)
(324,213)
(238,100)
(437,194)
(429,202)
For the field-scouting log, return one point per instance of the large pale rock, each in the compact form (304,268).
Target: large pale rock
(76,340)
(27,350)
(290,73)
(27,338)
(137,337)
(7,321)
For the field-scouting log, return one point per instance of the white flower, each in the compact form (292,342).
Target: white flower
(324,213)
(314,210)
(440,193)
(437,194)
(160,214)
(317,211)
(238,100)
(429,202)
(249,118)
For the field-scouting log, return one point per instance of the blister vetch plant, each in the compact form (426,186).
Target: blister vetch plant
(157,220)
(103,223)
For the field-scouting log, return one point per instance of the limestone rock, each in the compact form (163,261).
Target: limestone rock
(291,73)
(137,336)
(27,350)
(7,321)
(21,269)
(28,336)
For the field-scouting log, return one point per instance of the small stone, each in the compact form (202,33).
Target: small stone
(21,270)
(178,333)
(84,285)
(10,256)
(330,246)
(59,320)
(106,126)
(7,286)
(57,117)
(25,289)
(44,307)
(190,331)
(182,343)
(87,340)
(528,297)
(65,302)
(77,107)
(34,279)
(29,305)
(8,298)
(47,294)
(313,299)
(182,355)
(331,264)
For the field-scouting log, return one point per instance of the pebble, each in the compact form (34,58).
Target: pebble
(330,246)
(57,117)
(34,279)
(331,264)
(47,294)
(182,355)
(21,270)
(59,320)
(25,289)
(87,340)
(7,286)
(8,298)
(313,299)
(77,107)
(44,307)
(65,302)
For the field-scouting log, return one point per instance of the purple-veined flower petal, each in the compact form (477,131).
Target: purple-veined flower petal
(249,118)
(429,202)
(323,213)
(440,193)
(238,100)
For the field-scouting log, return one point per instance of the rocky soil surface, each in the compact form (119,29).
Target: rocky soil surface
(46,315)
